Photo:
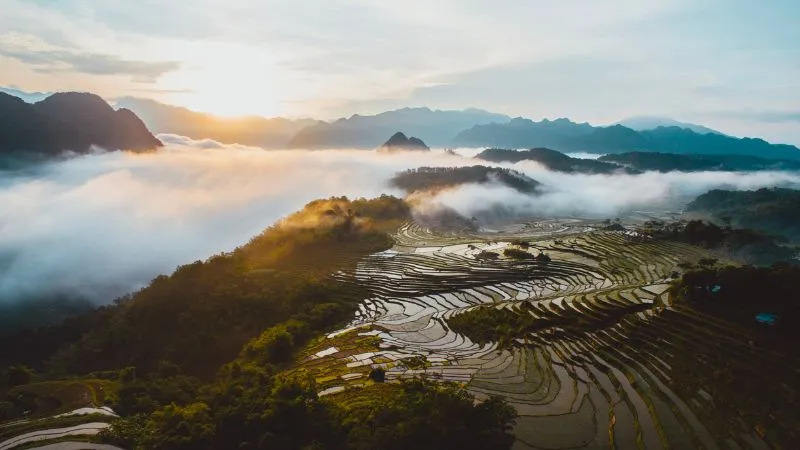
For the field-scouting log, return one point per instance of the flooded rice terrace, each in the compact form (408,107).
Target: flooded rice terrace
(615,364)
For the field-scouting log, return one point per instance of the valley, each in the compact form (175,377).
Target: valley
(350,225)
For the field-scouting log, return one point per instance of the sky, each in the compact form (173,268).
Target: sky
(733,65)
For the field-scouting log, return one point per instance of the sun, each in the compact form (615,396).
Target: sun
(228,81)
(231,102)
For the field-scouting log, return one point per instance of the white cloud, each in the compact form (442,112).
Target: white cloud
(103,225)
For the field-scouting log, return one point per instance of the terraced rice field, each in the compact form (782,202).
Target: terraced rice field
(639,372)
(68,410)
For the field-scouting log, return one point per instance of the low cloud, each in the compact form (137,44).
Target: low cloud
(99,226)
(600,196)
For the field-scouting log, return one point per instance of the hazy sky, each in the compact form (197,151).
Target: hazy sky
(729,64)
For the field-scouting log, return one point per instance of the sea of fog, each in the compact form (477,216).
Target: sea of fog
(102,225)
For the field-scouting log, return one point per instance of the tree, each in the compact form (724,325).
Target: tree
(7,410)
(378,375)
(18,375)
(180,428)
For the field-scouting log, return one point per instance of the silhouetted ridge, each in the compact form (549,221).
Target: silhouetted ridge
(551,159)
(666,162)
(399,142)
(566,136)
(433,178)
(69,121)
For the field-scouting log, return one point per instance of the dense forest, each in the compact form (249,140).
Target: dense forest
(775,211)
(749,296)
(433,178)
(743,244)
(553,160)
(667,162)
(205,357)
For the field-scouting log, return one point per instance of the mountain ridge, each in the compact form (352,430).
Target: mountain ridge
(435,127)
(567,136)
(258,131)
(642,123)
(69,121)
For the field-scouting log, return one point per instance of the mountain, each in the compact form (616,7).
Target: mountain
(435,127)
(399,142)
(641,123)
(435,178)
(553,160)
(666,162)
(69,121)
(679,140)
(520,132)
(28,97)
(566,136)
(256,131)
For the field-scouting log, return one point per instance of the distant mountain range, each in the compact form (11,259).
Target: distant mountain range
(438,128)
(255,131)
(28,97)
(567,136)
(69,121)
(435,127)
(641,123)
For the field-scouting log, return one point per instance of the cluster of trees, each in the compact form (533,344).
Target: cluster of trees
(553,160)
(523,244)
(517,253)
(486,255)
(432,178)
(775,211)
(667,162)
(255,409)
(487,324)
(744,244)
(741,293)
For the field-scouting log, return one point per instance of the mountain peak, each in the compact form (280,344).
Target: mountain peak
(73,121)
(399,142)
